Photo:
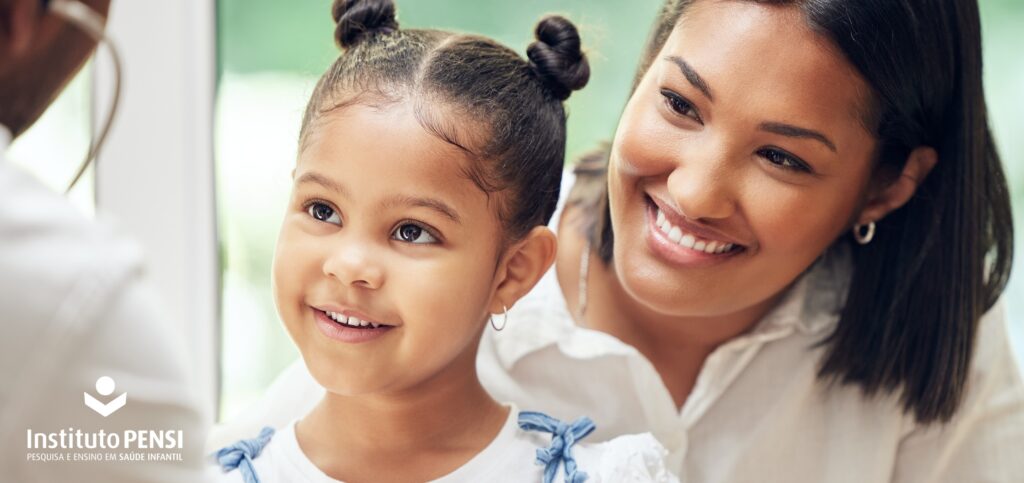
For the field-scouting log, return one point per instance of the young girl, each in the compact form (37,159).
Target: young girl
(429,163)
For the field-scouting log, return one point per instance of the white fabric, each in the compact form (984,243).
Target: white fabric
(73,308)
(510,457)
(758,412)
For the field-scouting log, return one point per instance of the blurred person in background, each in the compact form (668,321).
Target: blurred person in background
(76,316)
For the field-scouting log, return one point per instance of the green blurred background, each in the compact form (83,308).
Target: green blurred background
(271,53)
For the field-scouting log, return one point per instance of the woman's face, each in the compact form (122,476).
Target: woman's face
(740,158)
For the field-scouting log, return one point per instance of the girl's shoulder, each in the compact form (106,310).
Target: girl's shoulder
(628,458)
(267,457)
(564,455)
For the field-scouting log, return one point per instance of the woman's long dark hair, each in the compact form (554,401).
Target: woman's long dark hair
(938,263)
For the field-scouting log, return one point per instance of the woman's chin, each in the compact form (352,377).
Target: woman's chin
(670,292)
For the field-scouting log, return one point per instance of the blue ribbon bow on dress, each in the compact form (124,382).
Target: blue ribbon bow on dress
(241,454)
(564,436)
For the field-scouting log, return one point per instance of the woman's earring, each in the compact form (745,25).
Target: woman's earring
(504,319)
(864,233)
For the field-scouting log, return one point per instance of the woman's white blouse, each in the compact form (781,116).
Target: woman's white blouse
(758,412)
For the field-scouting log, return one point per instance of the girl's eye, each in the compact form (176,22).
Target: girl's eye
(412,233)
(784,160)
(323,212)
(680,105)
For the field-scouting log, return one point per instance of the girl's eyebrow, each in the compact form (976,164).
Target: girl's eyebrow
(422,202)
(401,200)
(316,178)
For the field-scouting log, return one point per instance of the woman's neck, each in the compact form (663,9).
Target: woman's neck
(414,434)
(676,346)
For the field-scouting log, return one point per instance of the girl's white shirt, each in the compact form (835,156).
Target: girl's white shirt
(758,411)
(510,457)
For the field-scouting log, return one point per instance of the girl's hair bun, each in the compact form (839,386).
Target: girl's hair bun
(556,56)
(358,20)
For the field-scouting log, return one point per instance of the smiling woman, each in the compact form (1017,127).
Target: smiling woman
(884,136)
(781,203)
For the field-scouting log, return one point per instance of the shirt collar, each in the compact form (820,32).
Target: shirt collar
(813,302)
(810,306)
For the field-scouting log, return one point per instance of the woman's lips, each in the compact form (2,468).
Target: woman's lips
(679,246)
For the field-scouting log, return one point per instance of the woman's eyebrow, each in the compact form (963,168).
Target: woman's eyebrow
(774,127)
(797,132)
(692,76)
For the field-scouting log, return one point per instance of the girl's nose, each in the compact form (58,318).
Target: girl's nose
(354,265)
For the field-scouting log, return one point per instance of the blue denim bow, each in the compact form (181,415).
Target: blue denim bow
(564,436)
(241,454)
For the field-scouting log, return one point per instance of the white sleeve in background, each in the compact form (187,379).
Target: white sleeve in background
(74,307)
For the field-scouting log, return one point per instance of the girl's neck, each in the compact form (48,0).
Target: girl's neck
(414,434)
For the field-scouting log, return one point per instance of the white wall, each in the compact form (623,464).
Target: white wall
(155,174)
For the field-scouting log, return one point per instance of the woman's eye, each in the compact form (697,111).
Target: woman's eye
(323,212)
(784,160)
(411,233)
(680,105)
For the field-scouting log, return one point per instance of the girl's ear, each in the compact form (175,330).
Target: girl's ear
(896,193)
(524,265)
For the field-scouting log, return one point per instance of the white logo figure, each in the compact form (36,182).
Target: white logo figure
(105,386)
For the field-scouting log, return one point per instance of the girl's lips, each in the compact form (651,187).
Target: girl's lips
(671,251)
(344,333)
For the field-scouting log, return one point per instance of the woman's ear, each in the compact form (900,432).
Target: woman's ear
(527,261)
(894,194)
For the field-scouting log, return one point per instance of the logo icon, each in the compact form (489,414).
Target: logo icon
(105,386)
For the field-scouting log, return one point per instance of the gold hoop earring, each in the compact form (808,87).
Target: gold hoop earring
(504,319)
(864,236)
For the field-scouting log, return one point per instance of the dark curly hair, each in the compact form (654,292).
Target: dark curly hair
(457,82)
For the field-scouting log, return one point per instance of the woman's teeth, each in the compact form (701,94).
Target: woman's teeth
(677,235)
(351,321)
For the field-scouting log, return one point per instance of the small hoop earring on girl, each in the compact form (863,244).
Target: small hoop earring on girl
(504,319)
(864,236)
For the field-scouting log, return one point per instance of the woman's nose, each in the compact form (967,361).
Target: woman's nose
(700,185)
(356,265)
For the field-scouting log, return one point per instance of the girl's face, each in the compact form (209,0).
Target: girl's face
(384,227)
(739,159)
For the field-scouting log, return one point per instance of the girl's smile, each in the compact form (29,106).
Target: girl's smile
(348,329)
(383,229)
